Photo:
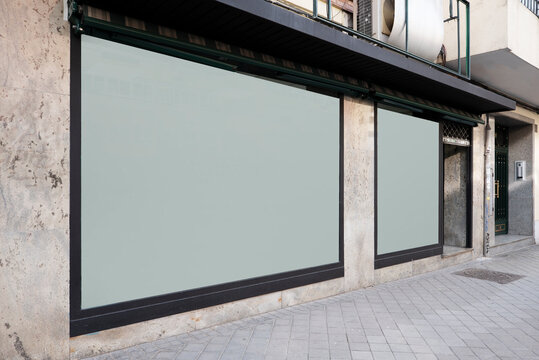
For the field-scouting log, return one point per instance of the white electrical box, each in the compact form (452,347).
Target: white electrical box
(520,170)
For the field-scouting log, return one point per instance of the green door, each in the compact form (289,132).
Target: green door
(501,181)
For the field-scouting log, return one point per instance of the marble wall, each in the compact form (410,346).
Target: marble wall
(34,180)
(482,158)
(483,190)
(358,192)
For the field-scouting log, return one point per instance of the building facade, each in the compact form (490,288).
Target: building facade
(167,168)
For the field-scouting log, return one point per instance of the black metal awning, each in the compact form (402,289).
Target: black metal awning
(264,27)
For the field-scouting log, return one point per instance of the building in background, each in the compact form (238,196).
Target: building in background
(173,166)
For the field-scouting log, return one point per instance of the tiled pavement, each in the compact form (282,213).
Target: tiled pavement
(438,315)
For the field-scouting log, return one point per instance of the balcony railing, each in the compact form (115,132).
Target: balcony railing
(533,5)
(324,11)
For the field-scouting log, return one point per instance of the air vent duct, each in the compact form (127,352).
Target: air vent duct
(364,17)
(425,30)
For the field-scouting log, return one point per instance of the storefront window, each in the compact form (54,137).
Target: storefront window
(408,184)
(194,176)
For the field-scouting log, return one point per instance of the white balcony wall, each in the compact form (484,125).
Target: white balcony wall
(523,32)
(504,47)
(488,27)
(495,25)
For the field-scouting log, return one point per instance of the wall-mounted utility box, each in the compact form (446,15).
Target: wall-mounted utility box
(520,170)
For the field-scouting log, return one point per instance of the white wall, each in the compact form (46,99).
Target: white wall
(488,27)
(496,25)
(523,33)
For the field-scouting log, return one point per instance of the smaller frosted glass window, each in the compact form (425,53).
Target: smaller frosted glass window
(408,182)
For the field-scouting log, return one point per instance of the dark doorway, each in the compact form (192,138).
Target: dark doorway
(501,180)
(455,195)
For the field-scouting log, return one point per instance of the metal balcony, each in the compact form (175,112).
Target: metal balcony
(533,5)
(329,12)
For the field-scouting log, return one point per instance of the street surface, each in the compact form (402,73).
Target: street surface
(439,315)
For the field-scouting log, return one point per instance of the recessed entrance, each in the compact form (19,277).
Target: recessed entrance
(513,183)
(457,142)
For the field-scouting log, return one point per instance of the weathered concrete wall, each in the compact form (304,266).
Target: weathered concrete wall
(521,192)
(483,215)
(358,193)
(34,180)
(455,195)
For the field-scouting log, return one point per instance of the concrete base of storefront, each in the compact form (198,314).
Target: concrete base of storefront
(421,266)
(509,242)
(455,250)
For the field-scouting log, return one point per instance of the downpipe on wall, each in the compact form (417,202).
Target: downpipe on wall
(489,180)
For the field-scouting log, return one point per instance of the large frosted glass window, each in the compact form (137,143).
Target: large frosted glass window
(193,176)
(408,182)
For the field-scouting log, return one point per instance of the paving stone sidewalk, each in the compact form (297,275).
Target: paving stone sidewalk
(439,315)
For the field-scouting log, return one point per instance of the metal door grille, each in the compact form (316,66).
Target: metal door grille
(501,137)
(500,191)
(456,134)
(502,178)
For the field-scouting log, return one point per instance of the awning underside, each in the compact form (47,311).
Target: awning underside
(262,26)
(221,54)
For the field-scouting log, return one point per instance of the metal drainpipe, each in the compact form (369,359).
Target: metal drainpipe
(487,189)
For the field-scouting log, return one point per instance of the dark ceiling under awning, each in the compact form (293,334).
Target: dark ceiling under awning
(265,27)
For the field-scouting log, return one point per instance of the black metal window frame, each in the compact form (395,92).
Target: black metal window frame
(407,255)
(402,256)
(84,321)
